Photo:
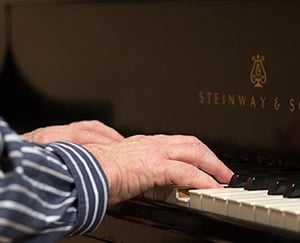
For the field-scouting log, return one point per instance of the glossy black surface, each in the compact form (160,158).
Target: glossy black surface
(164,67)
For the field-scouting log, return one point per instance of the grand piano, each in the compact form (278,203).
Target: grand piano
(224,71)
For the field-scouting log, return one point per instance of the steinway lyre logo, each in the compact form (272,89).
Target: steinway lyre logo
(258,75)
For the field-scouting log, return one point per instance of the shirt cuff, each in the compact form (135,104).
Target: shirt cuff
(90,182)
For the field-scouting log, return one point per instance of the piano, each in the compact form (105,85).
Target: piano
(224,71)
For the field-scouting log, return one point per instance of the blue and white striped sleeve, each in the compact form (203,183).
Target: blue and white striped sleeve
(48,191)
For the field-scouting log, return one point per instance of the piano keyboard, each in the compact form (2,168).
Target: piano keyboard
(254,206)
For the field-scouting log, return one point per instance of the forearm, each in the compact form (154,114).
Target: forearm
(48,191)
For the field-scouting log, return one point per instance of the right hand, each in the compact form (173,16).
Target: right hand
(136,164)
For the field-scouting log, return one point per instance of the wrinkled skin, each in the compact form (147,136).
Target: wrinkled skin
(135,164)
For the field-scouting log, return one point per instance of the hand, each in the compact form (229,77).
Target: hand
(83,132)
(136,164)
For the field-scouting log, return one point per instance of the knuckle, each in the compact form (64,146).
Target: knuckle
(194,139)
(86,123)
(95,123)
(138,138)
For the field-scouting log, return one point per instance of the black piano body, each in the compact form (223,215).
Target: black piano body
(224,71)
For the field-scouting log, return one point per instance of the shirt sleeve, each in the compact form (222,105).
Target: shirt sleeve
(48,191)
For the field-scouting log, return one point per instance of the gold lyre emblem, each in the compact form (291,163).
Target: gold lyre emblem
(258,75)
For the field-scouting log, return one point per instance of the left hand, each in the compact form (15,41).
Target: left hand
(83,132)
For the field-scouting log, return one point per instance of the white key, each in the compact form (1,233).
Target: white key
(209,199)
(249,208)
(177,196)
(197,194)
(263,210)
(277,212)
(160,193)
(149,194)
(221,200)
(292,218)
(182,197)
(216,200)
(200,196)
(234,202)
(168,194)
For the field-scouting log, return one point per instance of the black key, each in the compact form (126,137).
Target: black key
(241,179)
(263,181)
(238,180)
(241,175)
(277,187)
(292,190)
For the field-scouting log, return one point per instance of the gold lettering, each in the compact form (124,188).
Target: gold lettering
(252,102)
(276,104)
(242,100)
(231,99)
(217,98)
(263,101)
(223,99)
(208,95)
(201,97)
(292,105)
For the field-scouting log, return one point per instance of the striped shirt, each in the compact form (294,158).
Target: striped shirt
(48,191)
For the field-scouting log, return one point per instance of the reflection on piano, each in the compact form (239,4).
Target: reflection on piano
(225,71)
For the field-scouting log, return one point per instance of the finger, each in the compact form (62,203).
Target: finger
(39,135)
(180,173)
(59,134)
(98,128)
(176,139)
(200,156)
